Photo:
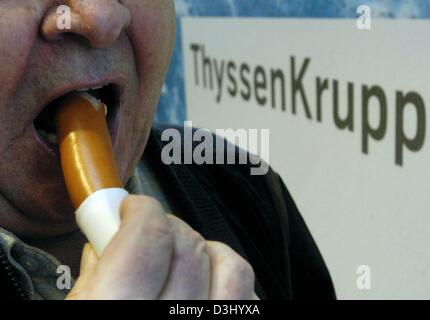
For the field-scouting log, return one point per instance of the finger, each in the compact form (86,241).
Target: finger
(88,265)
(232,276)
(189,277)
(88,262)
(136,262)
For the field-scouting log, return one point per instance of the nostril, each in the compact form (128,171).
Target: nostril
(77,37)
(48,29)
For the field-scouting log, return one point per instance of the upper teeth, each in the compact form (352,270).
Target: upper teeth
(94,101)
(90,88)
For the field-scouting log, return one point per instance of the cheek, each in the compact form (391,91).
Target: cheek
(135,124)
(135,143)
(15,46)
(152,32)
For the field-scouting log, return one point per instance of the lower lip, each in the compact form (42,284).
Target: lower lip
(112,125)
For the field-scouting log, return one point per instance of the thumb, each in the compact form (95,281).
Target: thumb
(88,264)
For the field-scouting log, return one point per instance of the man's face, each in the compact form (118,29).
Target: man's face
(124,44)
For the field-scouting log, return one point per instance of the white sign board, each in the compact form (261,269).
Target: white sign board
(348,116)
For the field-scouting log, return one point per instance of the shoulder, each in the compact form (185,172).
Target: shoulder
(258,207)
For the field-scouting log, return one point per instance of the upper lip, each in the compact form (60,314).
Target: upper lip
(117,81)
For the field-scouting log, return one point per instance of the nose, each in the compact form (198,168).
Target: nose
(99,22)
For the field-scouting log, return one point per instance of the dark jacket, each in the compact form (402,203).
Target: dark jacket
(254,215)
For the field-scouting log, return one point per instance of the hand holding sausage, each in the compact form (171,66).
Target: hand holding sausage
(158,256)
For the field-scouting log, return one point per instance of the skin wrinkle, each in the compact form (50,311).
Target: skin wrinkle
(4,52)
(162,76)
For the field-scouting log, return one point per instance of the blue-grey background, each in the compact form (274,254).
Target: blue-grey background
(172,107)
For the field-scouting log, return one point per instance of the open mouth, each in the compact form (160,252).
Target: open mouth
(45,126)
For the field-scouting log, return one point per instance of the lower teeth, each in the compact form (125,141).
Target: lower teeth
(49,136)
